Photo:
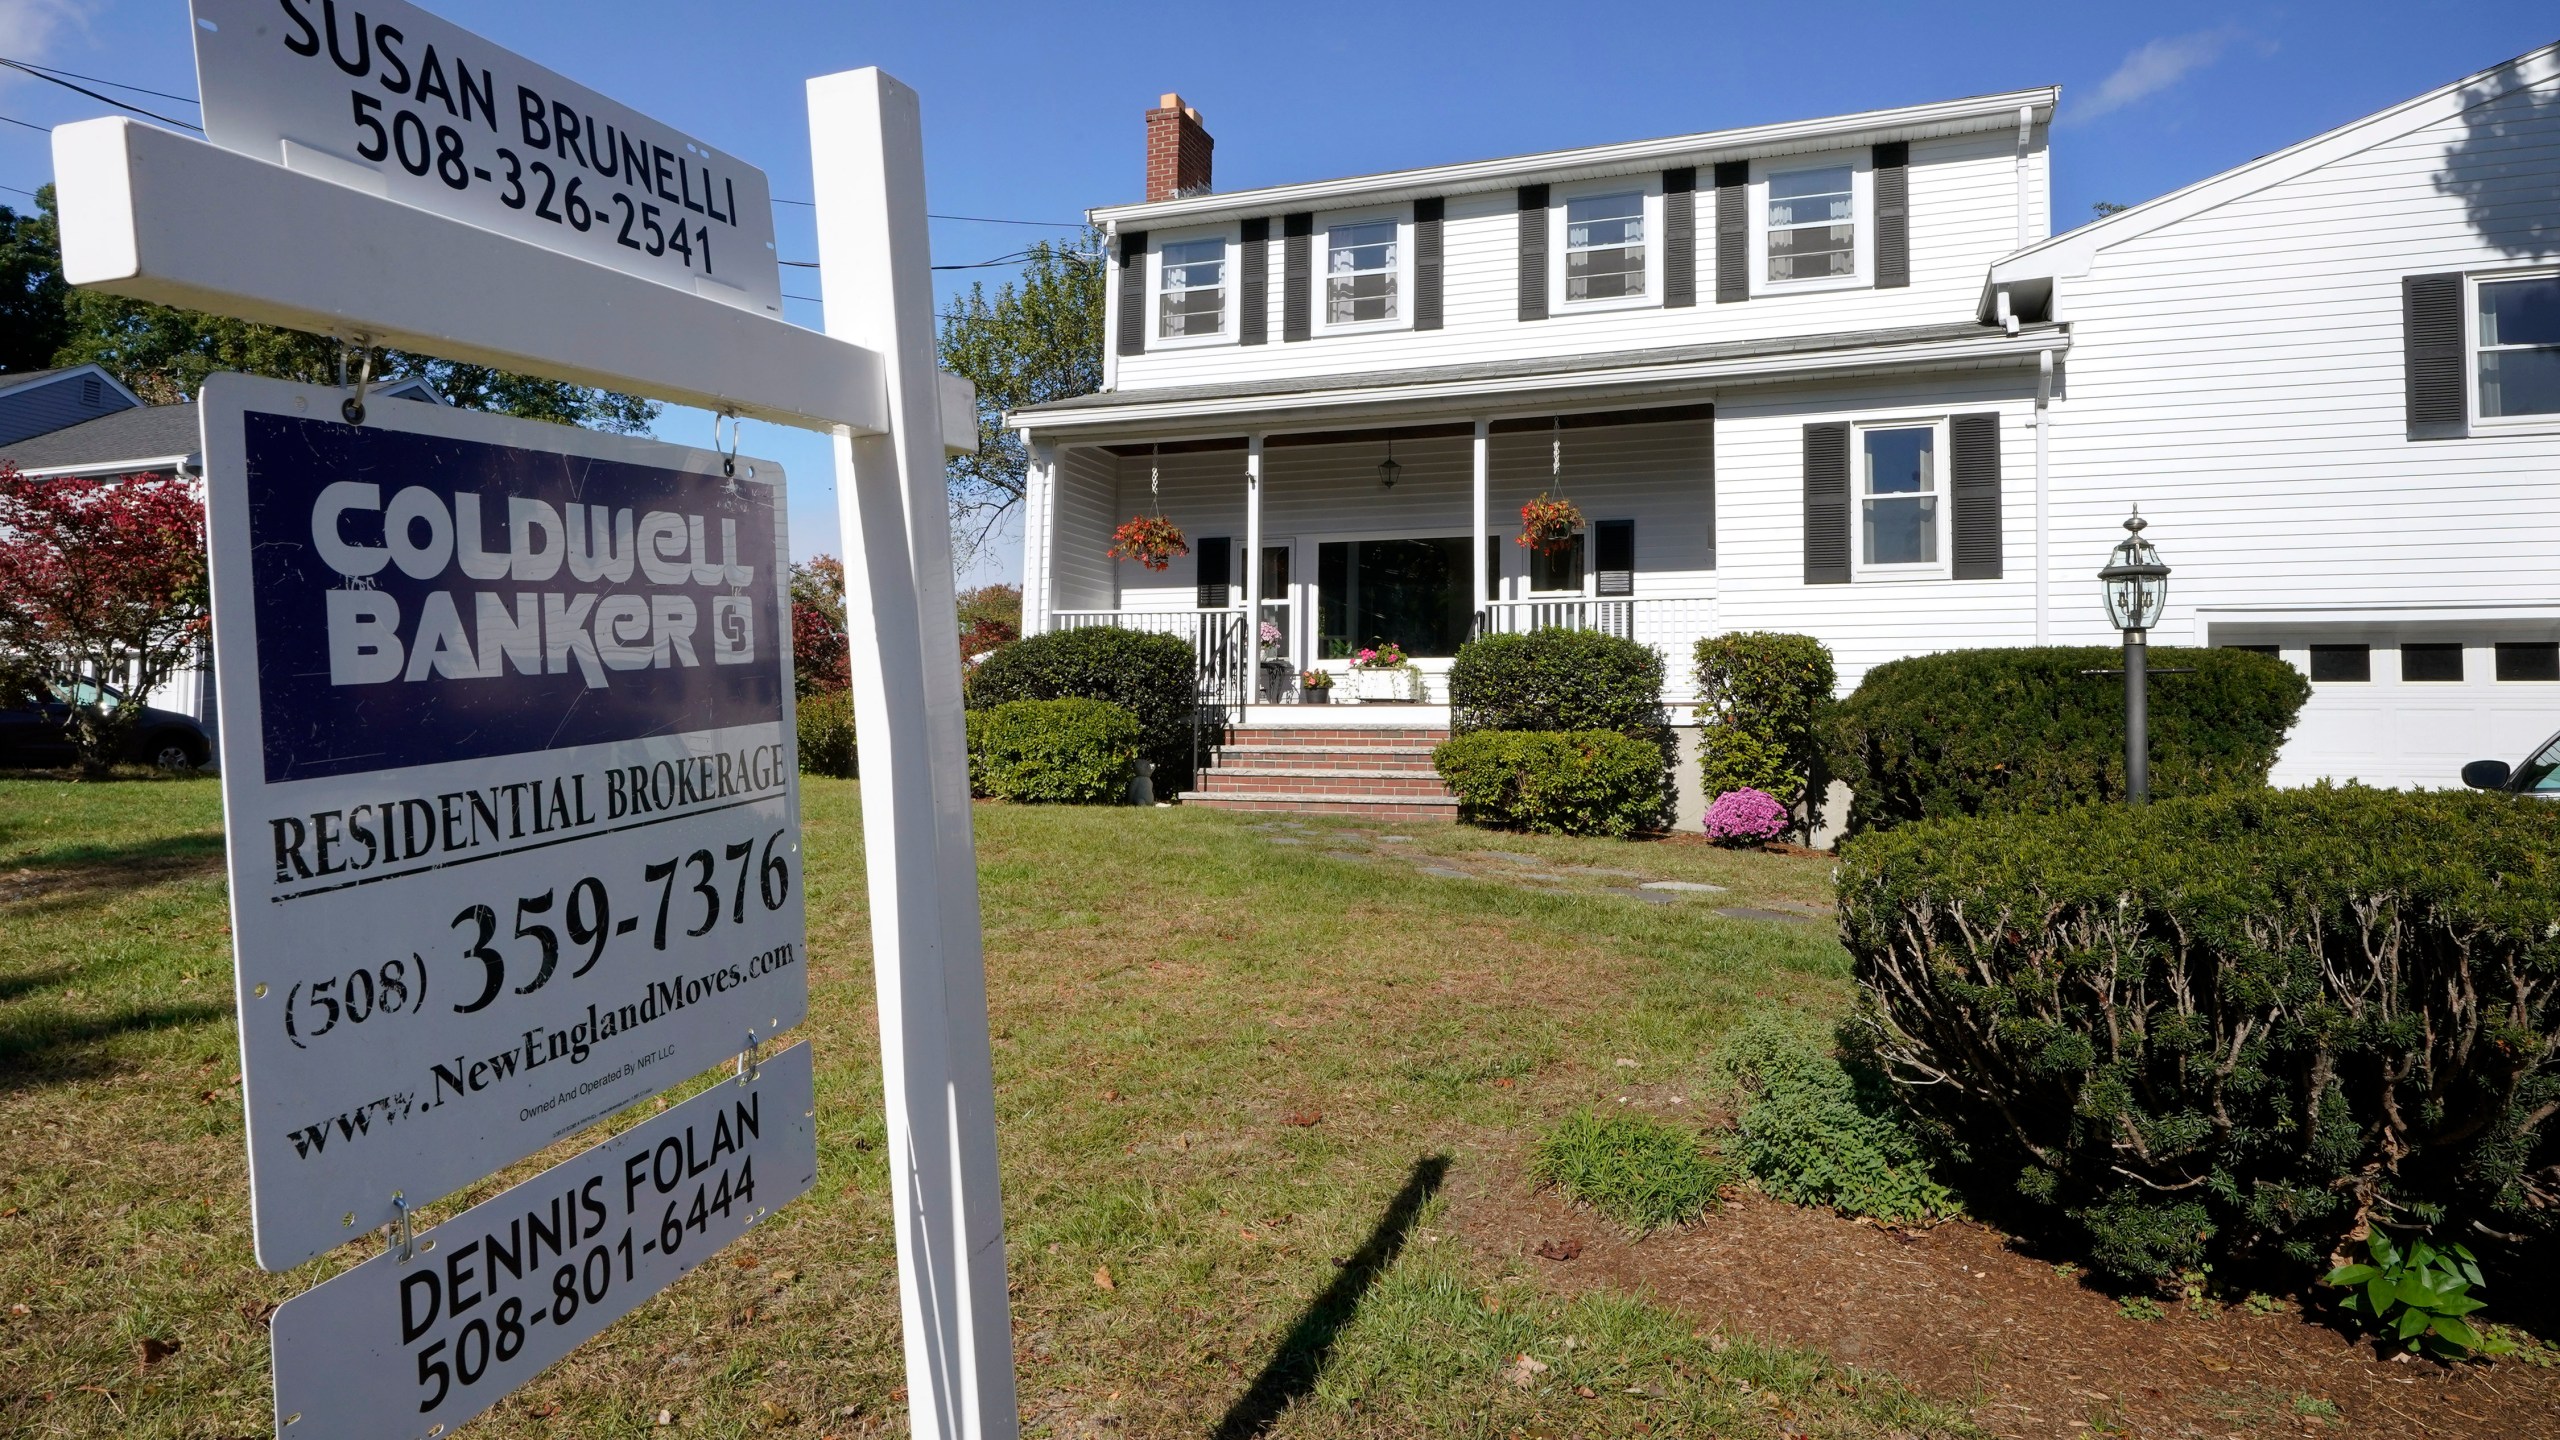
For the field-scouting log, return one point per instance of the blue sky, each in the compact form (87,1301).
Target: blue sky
(1032,111)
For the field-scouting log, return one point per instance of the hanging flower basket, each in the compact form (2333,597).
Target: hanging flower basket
(1151,540)
(1547,526)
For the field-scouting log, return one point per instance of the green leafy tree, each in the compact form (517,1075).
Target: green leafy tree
(1038,339)
(163,354)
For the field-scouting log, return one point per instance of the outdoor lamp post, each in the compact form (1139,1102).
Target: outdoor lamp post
(2135,585)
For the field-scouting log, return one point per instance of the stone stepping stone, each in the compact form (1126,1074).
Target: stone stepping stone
(1647,896)
(1395,839)
(1287,840)
(1603,870)
(1445,872)
(1513,856)
(1684,887)
(1346,854)
(1754,912)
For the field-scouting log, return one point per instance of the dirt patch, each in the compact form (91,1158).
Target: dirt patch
(1960,1315)
(82,881)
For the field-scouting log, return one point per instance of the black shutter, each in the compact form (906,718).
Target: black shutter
(1253,301)
(1133,293)
(1680,237)
(1826,504)
(1613,556)
(1297,290)
(1427,215)
(1216,566)
(2431,348)
(1893,215)
(1533,252)
(1976,492)
(1733,231)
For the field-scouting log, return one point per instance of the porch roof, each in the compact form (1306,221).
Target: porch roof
(1528,383)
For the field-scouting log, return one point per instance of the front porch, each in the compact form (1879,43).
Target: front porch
(1307,546)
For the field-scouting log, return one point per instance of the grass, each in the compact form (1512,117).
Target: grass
(1171,995)
(1641,1172)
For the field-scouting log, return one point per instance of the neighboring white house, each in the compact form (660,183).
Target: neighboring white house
(1830,376)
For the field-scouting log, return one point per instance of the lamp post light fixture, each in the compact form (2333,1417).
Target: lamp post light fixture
(2136,585)
(1388,469)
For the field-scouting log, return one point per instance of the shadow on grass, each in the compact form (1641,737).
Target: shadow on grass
(1309,1344)
(39,1048)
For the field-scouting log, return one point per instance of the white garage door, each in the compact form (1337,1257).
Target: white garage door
(2411,712)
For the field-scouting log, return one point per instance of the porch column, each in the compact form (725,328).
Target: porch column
(1253,541)
(1039,502)
(1483,467)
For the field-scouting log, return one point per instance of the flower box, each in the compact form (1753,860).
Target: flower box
(1402,683)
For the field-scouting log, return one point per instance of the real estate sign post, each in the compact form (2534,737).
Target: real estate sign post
(545,673)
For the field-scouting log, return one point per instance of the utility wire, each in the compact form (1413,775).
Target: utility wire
(110,84)
(973,219)
(14,120)
(30,194)
(25,68)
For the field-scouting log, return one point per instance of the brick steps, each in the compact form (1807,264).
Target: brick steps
(1377,773)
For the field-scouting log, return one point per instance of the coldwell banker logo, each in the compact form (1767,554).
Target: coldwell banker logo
(423,599)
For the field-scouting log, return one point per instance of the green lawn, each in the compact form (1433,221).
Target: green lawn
(1176,995)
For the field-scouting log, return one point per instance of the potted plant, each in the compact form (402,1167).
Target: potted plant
(1274,665)
(1315,687)
(1384,673)
(1151,540)
(1548,525)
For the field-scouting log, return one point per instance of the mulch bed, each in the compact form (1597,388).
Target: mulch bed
(1963,1316)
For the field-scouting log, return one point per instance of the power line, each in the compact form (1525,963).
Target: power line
(14,120)
(110,84)
(24,68)
(973,219)
(30,194)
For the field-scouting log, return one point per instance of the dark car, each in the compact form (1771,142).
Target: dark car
(2537,776)
(35,731)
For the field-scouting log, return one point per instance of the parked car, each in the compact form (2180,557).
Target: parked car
(35,730)
(2537,776)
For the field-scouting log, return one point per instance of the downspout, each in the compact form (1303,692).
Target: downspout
(2044,492)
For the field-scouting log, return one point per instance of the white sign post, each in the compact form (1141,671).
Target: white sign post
(159,217)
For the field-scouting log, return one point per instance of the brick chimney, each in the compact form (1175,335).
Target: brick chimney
(1177,151)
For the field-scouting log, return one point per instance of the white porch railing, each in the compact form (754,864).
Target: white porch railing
(1219,642)
(1671,624)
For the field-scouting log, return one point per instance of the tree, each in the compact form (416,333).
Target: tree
(1036,341)
(105,579)
(820,658)
(990,617)
(163,355)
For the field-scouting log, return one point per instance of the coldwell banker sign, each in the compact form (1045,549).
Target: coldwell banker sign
(510,770)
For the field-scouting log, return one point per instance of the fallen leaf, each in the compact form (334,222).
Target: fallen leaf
(747,1260)
(665,1417)
(1110,1094)
(1504,1081)
(779,1413)
(1624,1063)
(154,1350)
(1102,1278)
(1525,1370)
(1303,1117)
(1567,1249)
(1586,1392)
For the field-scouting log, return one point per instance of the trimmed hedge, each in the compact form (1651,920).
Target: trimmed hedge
(826,734)
(1566,680)
(1582,782)
(2229,1026)
(1972,732)
(1056,752)
(1760,696)
(1153,677)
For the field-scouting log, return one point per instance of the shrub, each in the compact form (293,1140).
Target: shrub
(1154,677)
(1817,1132)
(1745,817)
(826,734)
(1582,782)
(1991,731)
(2229,1025)
(1566,680)
(1069,752)
(1760,696)
(1634,1169)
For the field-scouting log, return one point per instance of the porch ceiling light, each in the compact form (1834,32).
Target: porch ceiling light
(2134,583)
(1388,469)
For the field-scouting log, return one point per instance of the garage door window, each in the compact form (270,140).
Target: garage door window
(2431,663)
(2341,662)
(2528,660)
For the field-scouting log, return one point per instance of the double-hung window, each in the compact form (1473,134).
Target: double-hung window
(1898,495)
(1192,291)
(1813,226)
(1360,273)
(2518,340)
(1604,247)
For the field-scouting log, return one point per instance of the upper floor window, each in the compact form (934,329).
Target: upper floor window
(1360,273)
(1898,495)
(1604,247)
(1813,229)
(2519,346)
(1192,288)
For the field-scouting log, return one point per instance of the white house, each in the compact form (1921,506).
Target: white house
(1830,376)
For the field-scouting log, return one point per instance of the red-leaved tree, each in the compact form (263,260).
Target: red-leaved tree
(104,579)
(820,659)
